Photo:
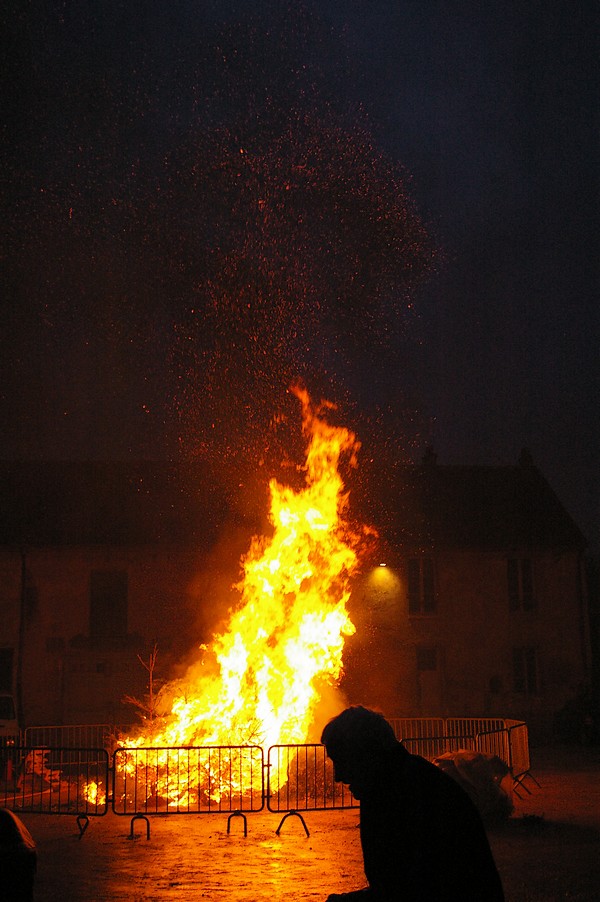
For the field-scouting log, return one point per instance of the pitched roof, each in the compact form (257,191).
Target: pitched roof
(148,502)
(474,507)
(112,503)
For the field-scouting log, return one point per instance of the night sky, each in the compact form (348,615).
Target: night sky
(395,202)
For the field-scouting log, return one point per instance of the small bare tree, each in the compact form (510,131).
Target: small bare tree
(146,706)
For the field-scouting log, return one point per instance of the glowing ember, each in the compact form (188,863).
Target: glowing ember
(260,681)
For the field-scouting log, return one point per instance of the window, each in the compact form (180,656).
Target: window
(6,669)
(525,670)
(421,590)
(7,708)
(519,573)
(108,604)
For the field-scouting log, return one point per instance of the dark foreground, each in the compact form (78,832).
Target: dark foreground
(549,850)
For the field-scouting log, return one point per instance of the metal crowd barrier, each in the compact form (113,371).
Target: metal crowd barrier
(434,746)
(188,780)
(233,780)
(436,727)
(434,736)
(495,742)
(95,735)
(418,727)
(511,744)
(520,763)
(471,726)
(519,747)
(300,778)
(431,736)
(428,736)
(55,781)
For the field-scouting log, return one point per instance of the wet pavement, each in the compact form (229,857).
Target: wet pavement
(193,857)
(549,850)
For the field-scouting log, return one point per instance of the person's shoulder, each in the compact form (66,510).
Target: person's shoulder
(417,762)
(425,770)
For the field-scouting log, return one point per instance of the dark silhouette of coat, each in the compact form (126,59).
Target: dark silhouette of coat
(422,837)
(18,859)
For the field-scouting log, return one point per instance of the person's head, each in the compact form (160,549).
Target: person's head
(356,741)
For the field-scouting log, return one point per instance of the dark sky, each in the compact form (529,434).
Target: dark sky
(177,172)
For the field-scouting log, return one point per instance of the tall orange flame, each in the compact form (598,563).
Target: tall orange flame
(260,680)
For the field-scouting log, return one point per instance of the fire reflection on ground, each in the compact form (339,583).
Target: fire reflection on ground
(195,858)
(189,858)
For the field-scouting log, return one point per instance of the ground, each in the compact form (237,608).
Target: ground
(549,850)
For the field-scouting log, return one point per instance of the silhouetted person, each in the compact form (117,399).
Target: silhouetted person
(18,859)
(422,837)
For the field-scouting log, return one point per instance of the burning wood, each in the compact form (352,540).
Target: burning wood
(260,681)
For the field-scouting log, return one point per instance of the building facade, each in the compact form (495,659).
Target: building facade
(480,607)
(475,605)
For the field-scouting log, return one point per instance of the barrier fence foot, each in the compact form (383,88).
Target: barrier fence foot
(139,817)
(238,814)
(83,823)
(519,783)
(290,814)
